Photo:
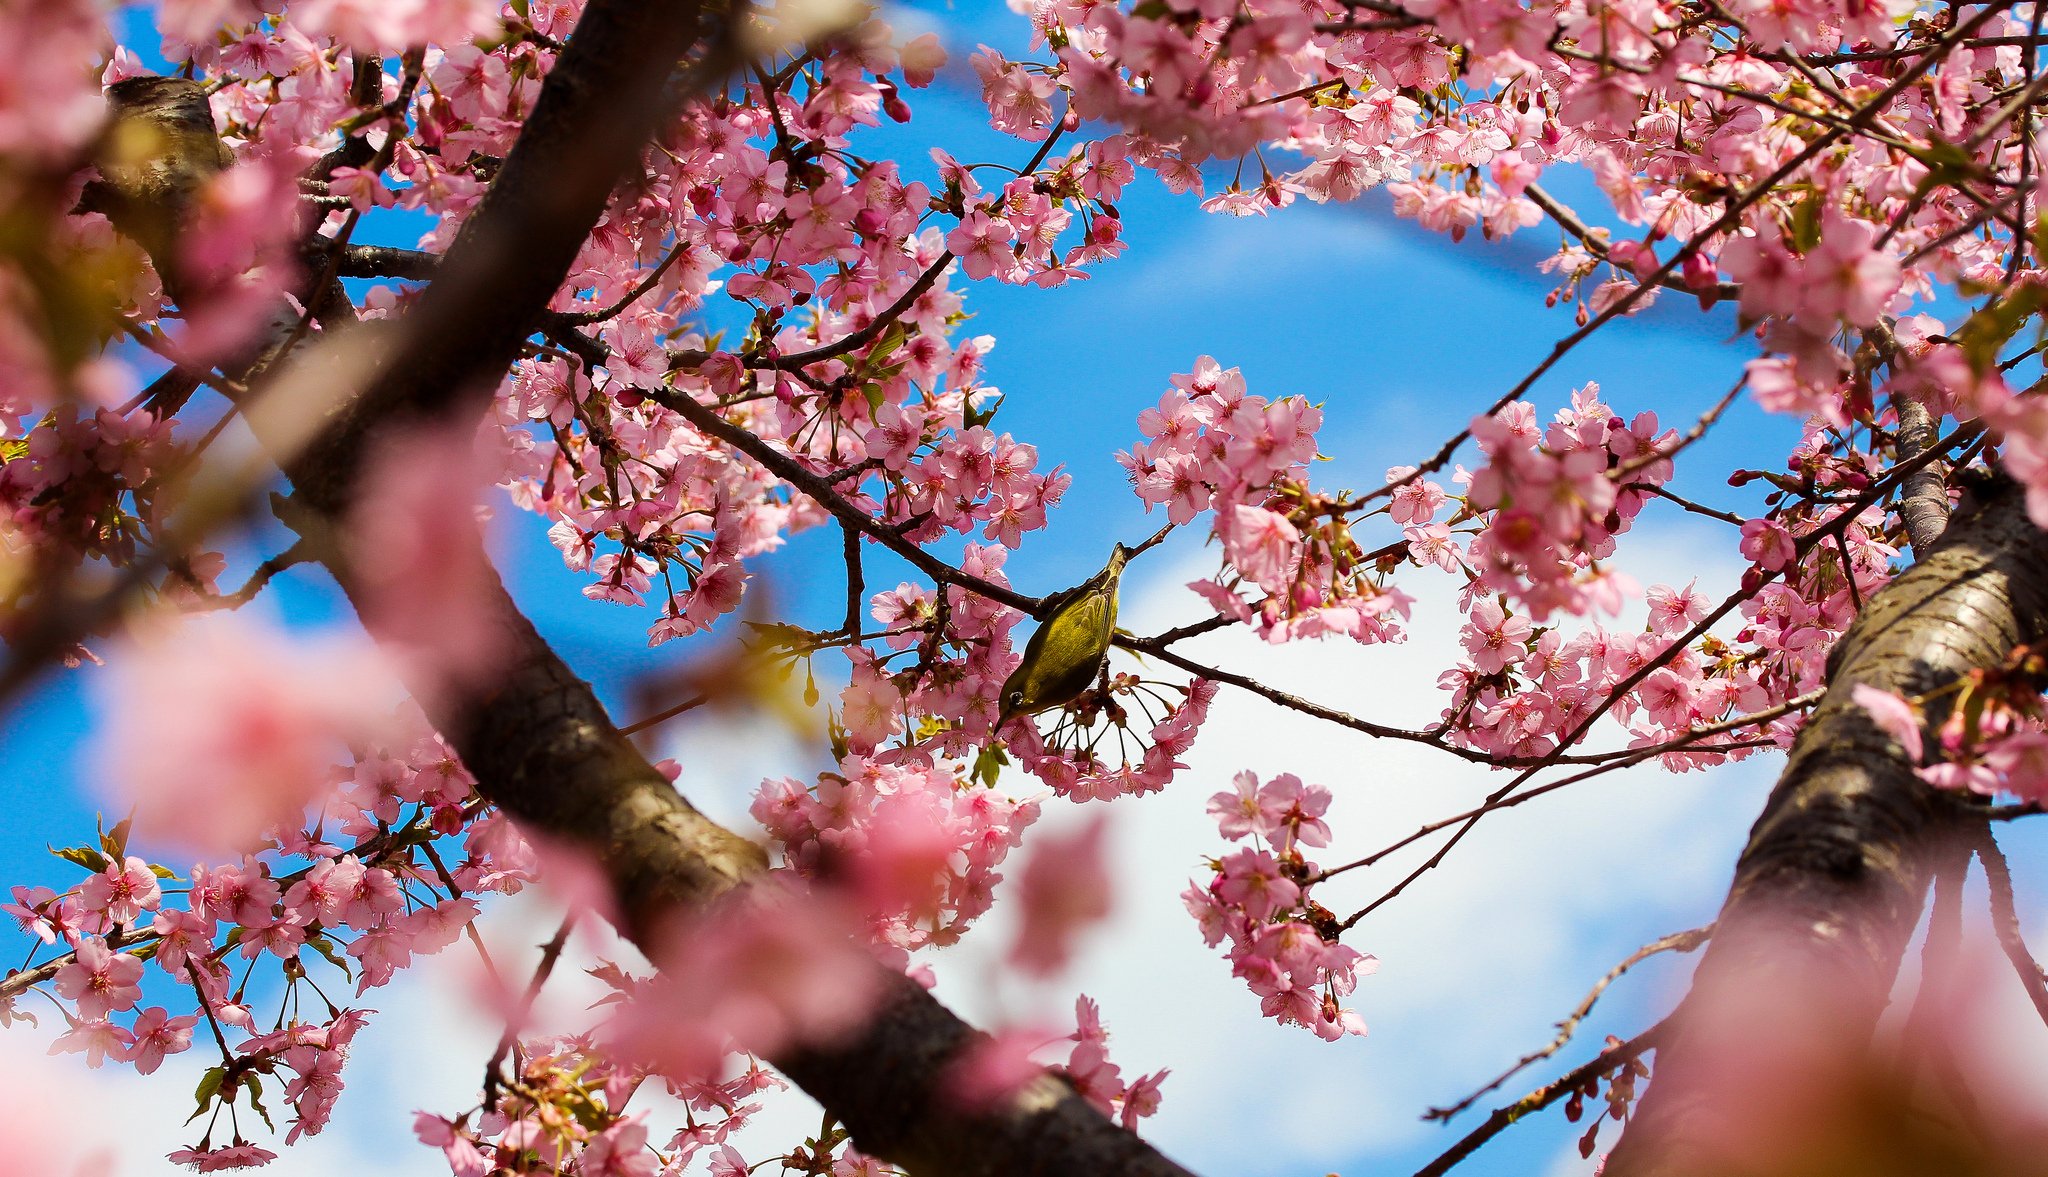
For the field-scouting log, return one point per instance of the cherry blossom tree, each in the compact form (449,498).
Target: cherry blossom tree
(670,300)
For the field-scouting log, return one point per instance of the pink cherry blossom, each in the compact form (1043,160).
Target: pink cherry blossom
(220,729)
(158,1034)
(100,980)
(1892,714)
(1065,888)
(122,892)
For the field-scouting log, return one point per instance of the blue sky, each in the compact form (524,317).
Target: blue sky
(1402,336)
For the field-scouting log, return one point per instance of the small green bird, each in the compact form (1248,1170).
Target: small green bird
(1062,658)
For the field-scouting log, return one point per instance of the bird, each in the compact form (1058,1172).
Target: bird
(159,150)
(1063,656)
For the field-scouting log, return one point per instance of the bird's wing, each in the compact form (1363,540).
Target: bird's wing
(1089,619)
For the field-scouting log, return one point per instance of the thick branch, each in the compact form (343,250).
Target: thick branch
(389,261)
(614,84)
(1830,887)
(536,739)
(1923,496)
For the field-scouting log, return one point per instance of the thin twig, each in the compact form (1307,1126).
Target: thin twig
(549,954)
(1619,1055)
(1686,941)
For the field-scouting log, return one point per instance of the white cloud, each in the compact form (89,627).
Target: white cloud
(1479,958)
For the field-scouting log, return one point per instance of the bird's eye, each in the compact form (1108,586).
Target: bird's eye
(1016,698)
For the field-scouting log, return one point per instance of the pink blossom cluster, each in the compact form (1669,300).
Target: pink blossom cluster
(959,669)
(1212,446)
(1791,624)
(568,1111)
(1997,748)
(70,485)
(1460,107)
(1101,1081)
(1841,278)
(917,843)
(1554,498)
(388,869)
(1013,233)
(1282,943)
(1001,1064)
(1524,687)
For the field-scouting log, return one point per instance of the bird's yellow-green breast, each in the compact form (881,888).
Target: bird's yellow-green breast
(1062,658)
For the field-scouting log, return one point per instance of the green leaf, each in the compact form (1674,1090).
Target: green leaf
(115,841)
(255,1087)
(1805,232)
(891,339)
(84,856)
(209,1087)
(1984,334)
(1948,164)
(325,947)
(974,416)
(989,763)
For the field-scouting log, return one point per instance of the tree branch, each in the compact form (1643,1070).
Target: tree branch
(1618,1055)
(538,742)
(2005,918)
(1686,941)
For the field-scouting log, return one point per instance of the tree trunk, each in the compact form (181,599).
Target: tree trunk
(1829,889)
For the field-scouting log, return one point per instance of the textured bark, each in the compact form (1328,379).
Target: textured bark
(1830,887)
(537,740)
(891,1088)
(1923,496)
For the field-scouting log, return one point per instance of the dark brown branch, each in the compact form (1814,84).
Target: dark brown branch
(389,261)
(538,742)
(1596,243)
(1829,889)
(1923,496)
(789,470)
(491,290)
(2005,918)
(1686,941)
(664,715)
(550,953)
(1629,758)
(1620,1054)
